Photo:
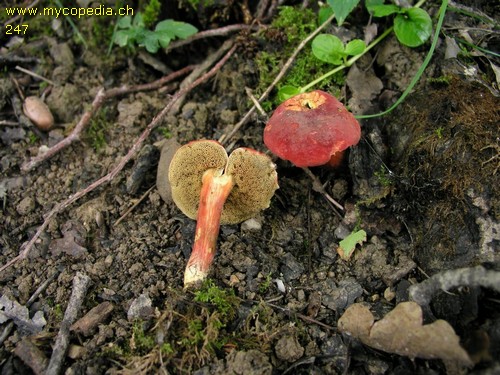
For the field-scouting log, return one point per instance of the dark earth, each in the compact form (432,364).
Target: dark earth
(423,183)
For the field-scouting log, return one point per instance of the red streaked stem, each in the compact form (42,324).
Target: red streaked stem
(214,192)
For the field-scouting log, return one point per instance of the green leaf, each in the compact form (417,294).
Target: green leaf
(328,48)
(413,27)
(124,22)
(177,29)
(150,42)
(370,3)
(121,38)
(342,8)
(383,10)
(355,47)
(348,244)
(163,39)
(324,13)
(287,92)
(138,21)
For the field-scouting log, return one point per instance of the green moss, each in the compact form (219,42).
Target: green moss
(225,302)
(96,132)
(143,342)
(32,137)
(151,13)
(264,286)
(292,25)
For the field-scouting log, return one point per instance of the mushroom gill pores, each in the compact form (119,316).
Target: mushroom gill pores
(215,189)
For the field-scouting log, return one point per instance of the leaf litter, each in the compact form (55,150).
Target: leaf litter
(401,332)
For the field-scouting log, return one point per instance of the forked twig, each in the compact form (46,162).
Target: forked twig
(124,160)
(101,96)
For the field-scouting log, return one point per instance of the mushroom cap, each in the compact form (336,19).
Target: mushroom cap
(307,129)
(254,175)
(255,181)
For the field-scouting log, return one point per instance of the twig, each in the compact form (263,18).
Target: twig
(221,31)
(37,76)
(125,159)
(477,276)
(319,188)
(81,283)
(8,123)
(101,96)
(301,316)
(18,60)
(226,137)
(133,206)
(255,102)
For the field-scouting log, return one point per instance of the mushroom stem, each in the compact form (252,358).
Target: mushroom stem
(214,192)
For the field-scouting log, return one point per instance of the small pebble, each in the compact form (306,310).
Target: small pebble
(251,225)
(38,112)
(26,206)
(389,294)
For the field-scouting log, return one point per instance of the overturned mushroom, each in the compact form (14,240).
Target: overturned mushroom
(215,189)
(311,129)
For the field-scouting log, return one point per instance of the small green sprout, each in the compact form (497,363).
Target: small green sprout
(330,49)
(348,244)
(132,31)
(412,26)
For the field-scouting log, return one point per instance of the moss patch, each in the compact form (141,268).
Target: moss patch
(450,153)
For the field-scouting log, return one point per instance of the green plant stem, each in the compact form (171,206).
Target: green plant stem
(348,63)
(442,12)
(73,25)
(353,59)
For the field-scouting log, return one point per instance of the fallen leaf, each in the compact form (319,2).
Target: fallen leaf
(348,244)
(401,332)
(73,238)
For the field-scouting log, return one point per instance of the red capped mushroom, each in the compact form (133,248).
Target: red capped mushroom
(215,189)
(309,129)
(312,129)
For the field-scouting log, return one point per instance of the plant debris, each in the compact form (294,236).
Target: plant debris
(401,332)
(20,315)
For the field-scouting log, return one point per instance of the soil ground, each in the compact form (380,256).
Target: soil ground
(422,183)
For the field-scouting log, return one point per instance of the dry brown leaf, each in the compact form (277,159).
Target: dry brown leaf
(401,332)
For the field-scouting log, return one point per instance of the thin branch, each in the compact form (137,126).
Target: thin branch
(226,137)
(81,284)
(35,75)
(101,96)
(319,188)
(475,276)
(221,31)
(125,159)
(133,206)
